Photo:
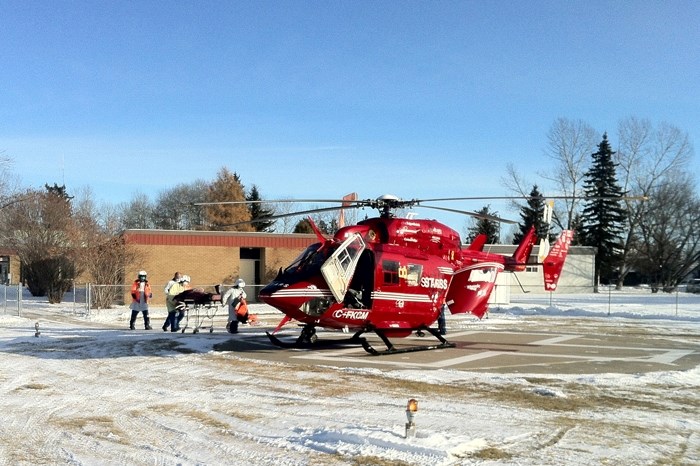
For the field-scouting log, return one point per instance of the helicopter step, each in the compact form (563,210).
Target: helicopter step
(391,349)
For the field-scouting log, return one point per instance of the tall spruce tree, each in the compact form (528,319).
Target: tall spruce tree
(258,211)
(532,214)
(489,227)
(603,217)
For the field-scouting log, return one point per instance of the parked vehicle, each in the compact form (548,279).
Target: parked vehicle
(693,286)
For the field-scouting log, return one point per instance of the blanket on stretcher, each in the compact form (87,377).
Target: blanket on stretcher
(197,296)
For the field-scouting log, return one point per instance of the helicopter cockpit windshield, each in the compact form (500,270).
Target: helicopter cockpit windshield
(308,262)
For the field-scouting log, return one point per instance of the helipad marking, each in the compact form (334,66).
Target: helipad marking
(555,340)
(664,355)
(670,357)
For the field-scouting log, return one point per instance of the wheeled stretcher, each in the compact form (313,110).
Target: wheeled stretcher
(199,306)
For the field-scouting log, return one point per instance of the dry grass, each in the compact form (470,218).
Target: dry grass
(202,417)
(374,461)
(491,454)
(101,427)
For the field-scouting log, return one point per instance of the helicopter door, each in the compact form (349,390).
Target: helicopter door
(340,267)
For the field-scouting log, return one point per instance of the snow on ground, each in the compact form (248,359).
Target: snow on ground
(87,391)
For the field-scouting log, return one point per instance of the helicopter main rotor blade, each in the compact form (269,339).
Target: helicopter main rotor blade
(471,214)
(291,214)
(277,201)
(544,198)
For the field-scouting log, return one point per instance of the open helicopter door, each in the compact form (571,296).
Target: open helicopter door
(340,267)
(471,288)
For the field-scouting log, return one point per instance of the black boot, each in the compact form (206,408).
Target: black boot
(132,322)
(233,327)
(147,321)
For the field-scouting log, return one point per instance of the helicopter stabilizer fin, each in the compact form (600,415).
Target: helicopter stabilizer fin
(478,243)
(554,262)
(523,251)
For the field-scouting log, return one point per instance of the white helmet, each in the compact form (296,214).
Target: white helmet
(185,278)
(240,283)
(143,272)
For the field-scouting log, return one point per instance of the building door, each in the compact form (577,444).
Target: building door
(4,270)
(250,272)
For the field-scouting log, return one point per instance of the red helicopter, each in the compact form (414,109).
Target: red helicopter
(390,276)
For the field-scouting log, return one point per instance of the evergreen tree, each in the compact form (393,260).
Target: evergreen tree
(485,225)
(532,214)
(258,211)
(603,217)
(227,216)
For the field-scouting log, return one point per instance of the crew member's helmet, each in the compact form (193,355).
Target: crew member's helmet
(240,283)
(185,278)
(142,275)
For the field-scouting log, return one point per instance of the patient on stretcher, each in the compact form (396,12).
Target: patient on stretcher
(198,296)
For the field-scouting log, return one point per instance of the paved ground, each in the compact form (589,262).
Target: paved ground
(501,352)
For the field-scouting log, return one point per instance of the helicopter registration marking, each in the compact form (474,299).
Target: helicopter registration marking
(350,314)
(430,282)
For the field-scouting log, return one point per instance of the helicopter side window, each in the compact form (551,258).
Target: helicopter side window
(414,272)
(391,272)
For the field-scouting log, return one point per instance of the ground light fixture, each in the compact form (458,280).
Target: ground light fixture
(36,328)
(411,410)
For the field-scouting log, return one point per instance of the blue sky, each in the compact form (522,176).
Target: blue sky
(319,99)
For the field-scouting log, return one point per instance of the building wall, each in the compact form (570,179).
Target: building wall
(209,258)
(13,267)
(206,265)
(576,277)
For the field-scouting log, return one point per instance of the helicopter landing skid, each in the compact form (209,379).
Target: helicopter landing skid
(391,349)
(308,339)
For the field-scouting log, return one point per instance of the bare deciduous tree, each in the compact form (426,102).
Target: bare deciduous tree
(647,158)
(41,230)
(103,253)
(137,213)
(570,144)
(668,244)
(174,209)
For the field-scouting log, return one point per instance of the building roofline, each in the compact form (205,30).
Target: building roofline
(218,238)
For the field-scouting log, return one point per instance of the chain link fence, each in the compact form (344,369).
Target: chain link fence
(11,296)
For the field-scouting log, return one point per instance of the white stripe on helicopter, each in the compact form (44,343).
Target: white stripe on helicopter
(445,270)
(302,293)
(417,298)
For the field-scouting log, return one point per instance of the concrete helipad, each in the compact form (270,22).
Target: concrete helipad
(497,351)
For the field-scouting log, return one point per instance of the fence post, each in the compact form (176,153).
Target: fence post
(19,300)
